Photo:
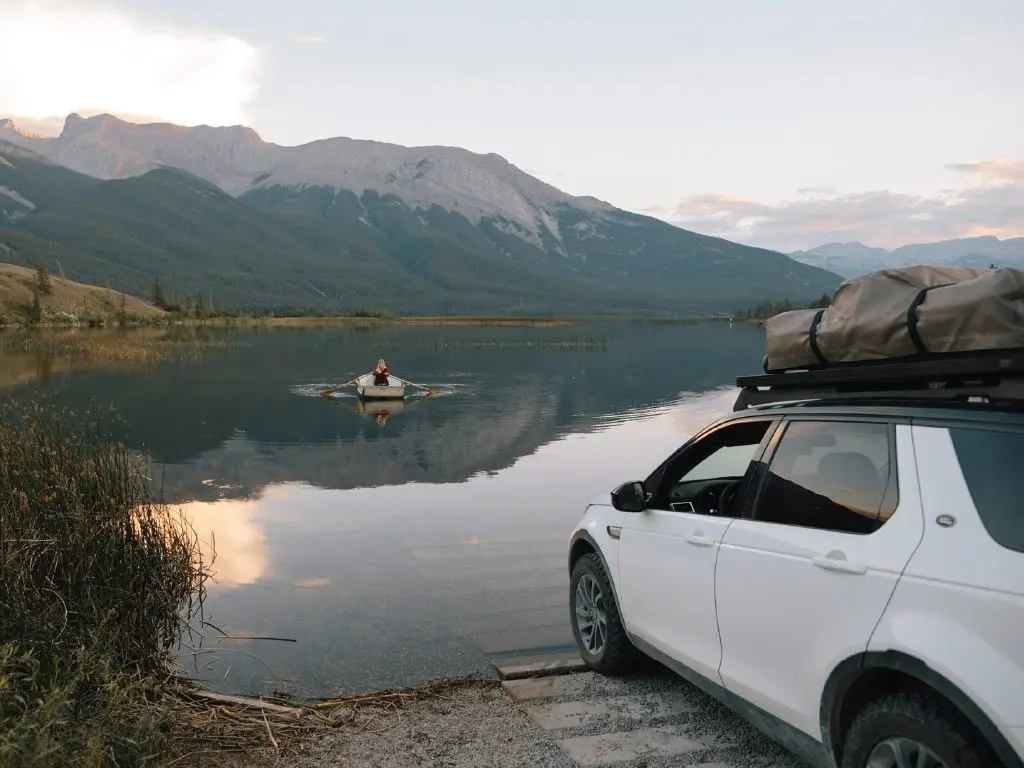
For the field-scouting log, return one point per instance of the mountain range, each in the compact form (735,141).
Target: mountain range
(853,259)
(331,225)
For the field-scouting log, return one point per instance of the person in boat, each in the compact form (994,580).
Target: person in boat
(380,374)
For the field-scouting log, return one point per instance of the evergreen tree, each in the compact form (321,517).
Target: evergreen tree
(157,295)
(43,279)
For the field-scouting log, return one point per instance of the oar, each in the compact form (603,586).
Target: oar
(329,392)
(428,390)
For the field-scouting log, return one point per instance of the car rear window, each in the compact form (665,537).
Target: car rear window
(991,463)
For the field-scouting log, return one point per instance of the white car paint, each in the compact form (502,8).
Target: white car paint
(601,515)
(1017,739)
(814,597)
(960,604)
(667,584)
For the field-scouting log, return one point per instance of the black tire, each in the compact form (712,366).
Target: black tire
(927,721)
(618,655)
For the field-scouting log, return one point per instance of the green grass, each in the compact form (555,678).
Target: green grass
(100,581)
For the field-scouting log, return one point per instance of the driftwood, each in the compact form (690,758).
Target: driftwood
(243,701)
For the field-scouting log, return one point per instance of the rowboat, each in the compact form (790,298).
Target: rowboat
(395,389)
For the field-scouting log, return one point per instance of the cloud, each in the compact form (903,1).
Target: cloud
(310,40)
(990,203)
(1001,169)
(74,57)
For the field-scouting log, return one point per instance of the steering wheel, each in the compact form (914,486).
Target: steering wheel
(728,496)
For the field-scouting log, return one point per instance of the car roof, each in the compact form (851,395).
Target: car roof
(980,387)
(903,410)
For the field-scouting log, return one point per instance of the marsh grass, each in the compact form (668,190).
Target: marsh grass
(137,350)
(99,582)
(577,341)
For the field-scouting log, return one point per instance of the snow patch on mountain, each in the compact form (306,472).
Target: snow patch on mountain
(14,195)
(237,160)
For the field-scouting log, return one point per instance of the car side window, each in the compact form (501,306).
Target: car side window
(834,475)
(990,461)
(694,480)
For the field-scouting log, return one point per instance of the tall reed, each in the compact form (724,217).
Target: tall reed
(99,581)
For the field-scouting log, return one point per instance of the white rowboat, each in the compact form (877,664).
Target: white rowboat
(395,390)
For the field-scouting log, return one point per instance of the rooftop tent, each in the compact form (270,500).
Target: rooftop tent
(902,313)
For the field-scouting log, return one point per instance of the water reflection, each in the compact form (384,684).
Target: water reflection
(401,583)
(397,542)
(231,539)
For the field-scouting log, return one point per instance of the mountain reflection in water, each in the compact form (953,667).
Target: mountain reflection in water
(402,542)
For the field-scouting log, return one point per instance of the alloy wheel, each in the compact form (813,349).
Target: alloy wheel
(591,619)
(898,752)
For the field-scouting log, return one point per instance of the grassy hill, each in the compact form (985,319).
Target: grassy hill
(65,301)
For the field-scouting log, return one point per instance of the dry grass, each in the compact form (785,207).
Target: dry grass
(313,321)
(138,349)
(231,728)
(66,300)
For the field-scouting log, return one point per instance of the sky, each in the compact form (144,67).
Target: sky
(781,123)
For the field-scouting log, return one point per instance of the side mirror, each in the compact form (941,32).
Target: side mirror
(630,497)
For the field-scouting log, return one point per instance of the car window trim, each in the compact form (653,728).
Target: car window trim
(655,479)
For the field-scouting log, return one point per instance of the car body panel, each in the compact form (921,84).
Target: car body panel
(667,584)
(808,618)
(960,604)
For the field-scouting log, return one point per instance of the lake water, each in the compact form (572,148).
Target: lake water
(389,547)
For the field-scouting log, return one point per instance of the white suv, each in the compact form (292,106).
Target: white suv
(840,560)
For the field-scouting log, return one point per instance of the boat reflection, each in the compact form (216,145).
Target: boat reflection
(380,410)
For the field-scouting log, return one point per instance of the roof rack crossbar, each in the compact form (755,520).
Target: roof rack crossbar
(994,375)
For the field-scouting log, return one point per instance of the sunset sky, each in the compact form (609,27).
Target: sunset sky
(786,124)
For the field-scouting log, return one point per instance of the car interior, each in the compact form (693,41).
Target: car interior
(808,478)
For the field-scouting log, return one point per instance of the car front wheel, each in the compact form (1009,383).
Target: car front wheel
(912,730)
(596,625)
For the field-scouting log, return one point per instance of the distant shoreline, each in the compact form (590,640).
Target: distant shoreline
(459,320)
(299,321)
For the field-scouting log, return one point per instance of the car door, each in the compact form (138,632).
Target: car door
(667,552)
(804,578)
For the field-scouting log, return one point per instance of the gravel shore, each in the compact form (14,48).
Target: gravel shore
(649,720)
(469,725)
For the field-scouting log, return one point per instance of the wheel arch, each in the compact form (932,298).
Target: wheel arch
(582,543)
(861,678)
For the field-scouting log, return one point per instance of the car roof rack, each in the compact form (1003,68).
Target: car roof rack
(991,376)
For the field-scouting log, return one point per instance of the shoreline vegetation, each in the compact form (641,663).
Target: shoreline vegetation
(383,319)
(102,582)
(32,298)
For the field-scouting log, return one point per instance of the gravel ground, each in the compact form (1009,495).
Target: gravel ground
(654,699)
(480,725)
(470,725)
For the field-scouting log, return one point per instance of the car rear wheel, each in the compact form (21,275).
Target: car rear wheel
(596,625)
(912,731)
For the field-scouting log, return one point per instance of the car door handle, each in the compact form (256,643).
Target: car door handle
(699,540)
(840,565)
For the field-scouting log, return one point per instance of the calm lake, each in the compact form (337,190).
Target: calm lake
(389,546)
